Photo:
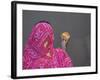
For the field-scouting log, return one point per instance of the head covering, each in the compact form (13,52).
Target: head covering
(40,45)
(42,33)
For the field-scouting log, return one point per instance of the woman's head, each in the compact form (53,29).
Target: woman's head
(41,38)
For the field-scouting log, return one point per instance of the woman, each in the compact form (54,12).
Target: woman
(39,51)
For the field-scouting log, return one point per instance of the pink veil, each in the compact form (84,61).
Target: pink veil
(39,44)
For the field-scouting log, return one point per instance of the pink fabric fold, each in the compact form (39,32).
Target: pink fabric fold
(39,51)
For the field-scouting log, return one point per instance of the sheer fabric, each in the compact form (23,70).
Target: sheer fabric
(39,51)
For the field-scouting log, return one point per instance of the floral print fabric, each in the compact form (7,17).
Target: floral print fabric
(39,51)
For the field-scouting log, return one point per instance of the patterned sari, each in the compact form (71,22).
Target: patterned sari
(39,51)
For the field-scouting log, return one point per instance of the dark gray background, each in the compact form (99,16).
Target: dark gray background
(78,24)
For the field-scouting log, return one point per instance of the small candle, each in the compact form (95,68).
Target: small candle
(65,36)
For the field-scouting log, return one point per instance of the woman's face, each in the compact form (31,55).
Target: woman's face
(47,46)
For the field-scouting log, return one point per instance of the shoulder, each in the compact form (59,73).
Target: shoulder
(61,52)
(63,57)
